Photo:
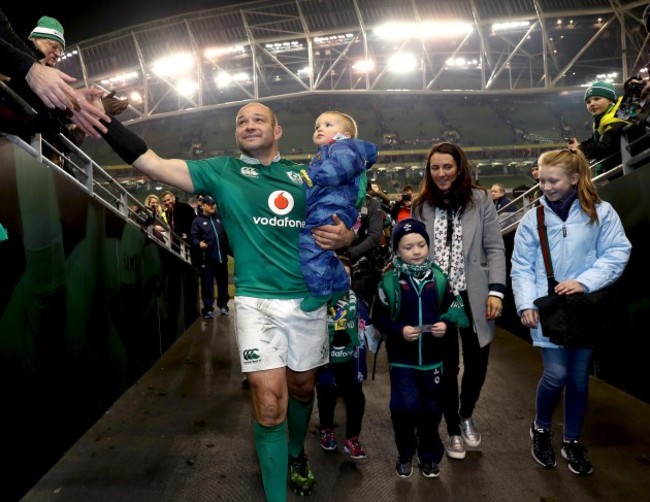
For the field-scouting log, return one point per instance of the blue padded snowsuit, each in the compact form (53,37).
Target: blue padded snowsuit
(336,184)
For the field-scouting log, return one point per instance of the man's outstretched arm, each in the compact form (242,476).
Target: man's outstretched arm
(134,151)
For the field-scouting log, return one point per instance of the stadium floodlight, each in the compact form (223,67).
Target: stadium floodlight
(67,55)
(364,66)
(287,46)
(305,72)
(135,98)
(402,62)
(510,26)
(122,79)
(461,62)
(602,77)
(176,64)
(224,79)
(215,52)
(334,39)
(186,87)
(427,29)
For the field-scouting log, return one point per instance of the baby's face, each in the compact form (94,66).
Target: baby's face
(327,126)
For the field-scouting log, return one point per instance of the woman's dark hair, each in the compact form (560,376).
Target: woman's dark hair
(460,193)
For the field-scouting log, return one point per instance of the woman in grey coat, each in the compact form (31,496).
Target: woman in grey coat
(466,242)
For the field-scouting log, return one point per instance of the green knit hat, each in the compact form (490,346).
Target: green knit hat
(48,27)
(604,89)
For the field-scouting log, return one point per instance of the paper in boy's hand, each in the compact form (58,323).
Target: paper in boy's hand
(425,328)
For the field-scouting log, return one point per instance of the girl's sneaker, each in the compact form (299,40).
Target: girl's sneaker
(542,449)
(328,439)
(352,447)
(576,456)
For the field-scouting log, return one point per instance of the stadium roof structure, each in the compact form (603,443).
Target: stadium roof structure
(265,50)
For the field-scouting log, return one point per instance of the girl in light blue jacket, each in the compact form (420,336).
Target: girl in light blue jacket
(589,251)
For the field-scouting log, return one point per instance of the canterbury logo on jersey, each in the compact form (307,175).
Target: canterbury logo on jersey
(249,172)
(251,355)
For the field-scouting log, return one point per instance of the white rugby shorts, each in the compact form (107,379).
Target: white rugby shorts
(274,333)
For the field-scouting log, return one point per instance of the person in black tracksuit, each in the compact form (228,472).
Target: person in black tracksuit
(414,329)
(211,248)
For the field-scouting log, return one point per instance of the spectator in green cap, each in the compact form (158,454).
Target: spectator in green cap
(48,39)
(603,149)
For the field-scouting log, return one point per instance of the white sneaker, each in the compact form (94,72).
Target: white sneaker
(455,448)
(471,435)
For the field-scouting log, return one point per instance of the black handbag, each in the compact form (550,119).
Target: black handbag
(573,321)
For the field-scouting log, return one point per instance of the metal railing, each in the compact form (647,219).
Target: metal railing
(525,201)
(90,177)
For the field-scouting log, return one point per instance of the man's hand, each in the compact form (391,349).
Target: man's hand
(50,60)
(51,85)
(335,236)
(89,111)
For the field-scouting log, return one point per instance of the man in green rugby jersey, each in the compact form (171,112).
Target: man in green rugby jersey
(262,205)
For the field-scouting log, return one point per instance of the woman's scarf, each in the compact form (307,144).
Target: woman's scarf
(448,244)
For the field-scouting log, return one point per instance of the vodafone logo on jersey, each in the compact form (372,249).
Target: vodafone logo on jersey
(281,202)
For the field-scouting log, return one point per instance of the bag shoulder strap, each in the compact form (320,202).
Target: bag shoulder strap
(391,287)
(546,250)
(393,291)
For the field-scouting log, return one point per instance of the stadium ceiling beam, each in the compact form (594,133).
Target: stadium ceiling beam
(385,69)
(196,52)
(540,20)
(145,84)
(483,54)
(498,71)
(310,43)
(329,71)
(532,64)
(254,57)
(453,56)
(364,36)
(284,67)
(581,52)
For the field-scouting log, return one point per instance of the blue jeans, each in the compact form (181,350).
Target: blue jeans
(564,370)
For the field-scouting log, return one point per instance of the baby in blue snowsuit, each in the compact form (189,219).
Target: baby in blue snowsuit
(335,184)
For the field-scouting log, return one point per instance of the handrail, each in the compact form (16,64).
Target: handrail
(525,206)
(94,180)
